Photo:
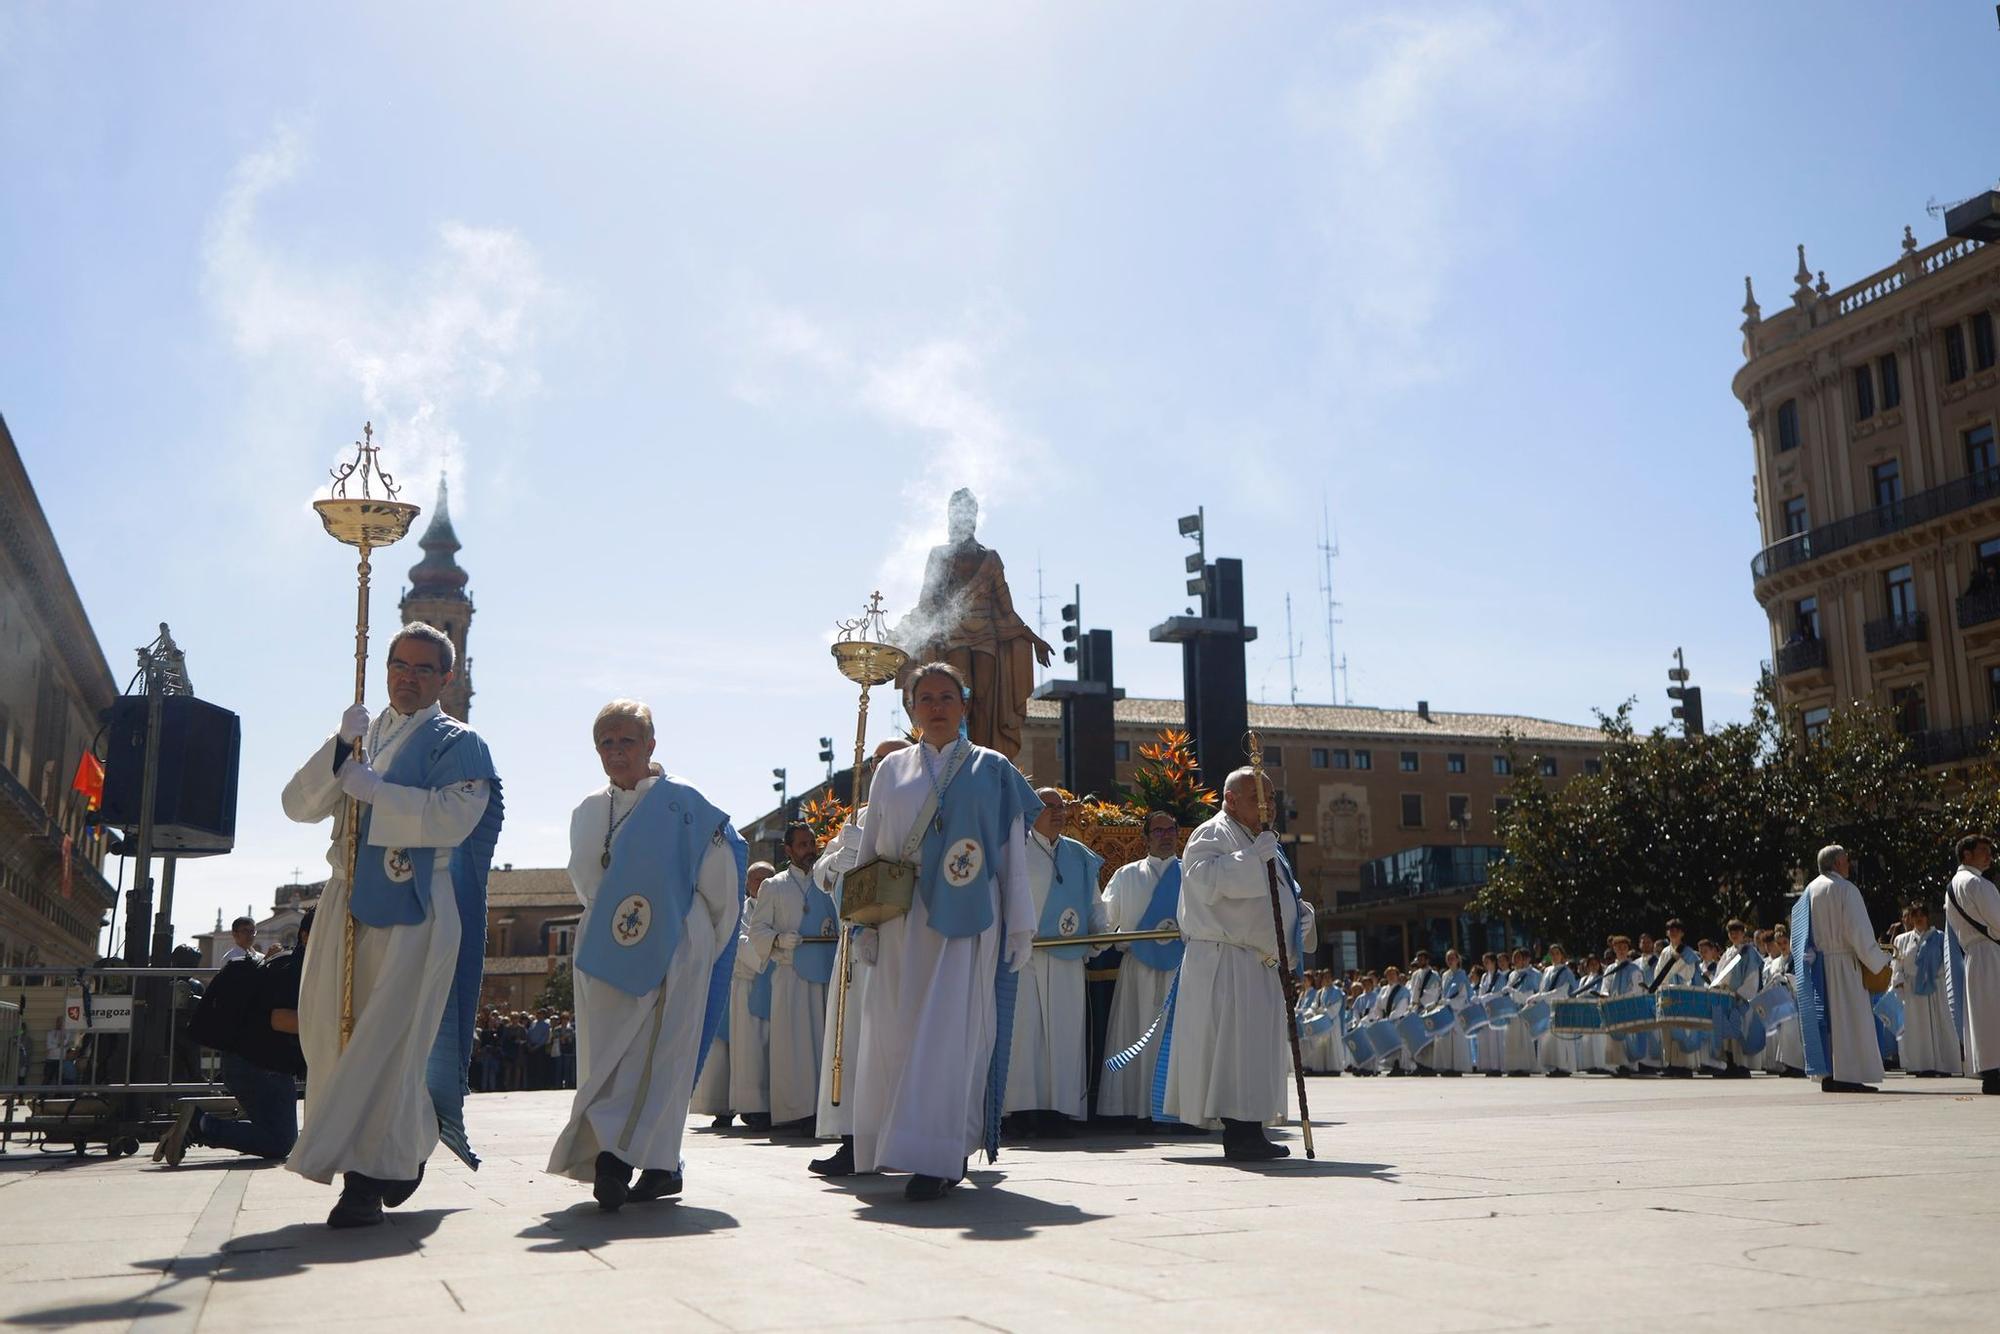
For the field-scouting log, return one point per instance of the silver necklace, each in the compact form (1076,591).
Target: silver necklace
(957,754)
(612,820)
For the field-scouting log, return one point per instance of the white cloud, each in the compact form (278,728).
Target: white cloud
(412,349)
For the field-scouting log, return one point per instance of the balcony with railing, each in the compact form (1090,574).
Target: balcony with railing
(1948,745)
(1910,627)
(1959,494)
(1801,655)
(1979,606)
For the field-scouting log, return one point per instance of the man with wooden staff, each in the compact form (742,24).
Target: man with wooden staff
(789,994)
(1227,1039)
(430,810)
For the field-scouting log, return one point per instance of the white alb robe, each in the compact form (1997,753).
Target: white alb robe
(1557,1051)
(1489,1044)
(635,1055)
(1846,944)
(1137,995)
(1682,971)
(749,1036)
(798,1007)
(1786,1049)
(1929,1042)
(1452,1050)
(368,1109)
(832,1122)
(931,1020)
(1517,1044)
(711,1087)
(1982,966)
(1620,978)
(1230,1047)
(1740,971)
(1045,1069)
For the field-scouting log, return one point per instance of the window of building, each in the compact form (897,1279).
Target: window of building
(562,941)
(1121,751)
(1988,553)
(1796,521)
(1274,756)
(1339,758)
(1454,764)
(1502,765)
(1788,425)
(1547,767)
(1407,761)
(1980,456)
(1864,393)
(1413,810)
(1899,590)
(1888,381)
(1593,766)
(1954,353)
(1459,811)
(1805,618)
(1907,704)
(1816,722)
(1982,341)
(1318,757)
(1993,690)
(1364,759)
(1886,478)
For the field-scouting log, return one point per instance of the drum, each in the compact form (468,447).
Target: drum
(1472,1019)
(1411,1033)
(1691,1008)
(1316,1026)
(1630,1014)
(1773,1006)
(877,891)
(1439,1021)
(1577,1018)
(1371,1041)
(1889,1010)
(1501,1009)
(1538,1015)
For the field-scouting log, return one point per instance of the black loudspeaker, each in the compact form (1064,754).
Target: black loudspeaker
(194,806)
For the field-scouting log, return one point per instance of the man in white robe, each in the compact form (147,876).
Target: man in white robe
(1972,916)
(1047,1084)
(1844,1051)
(797,1018)
(637,1051)
(1392,1001)
(1426,994)
(750,1034)
(369,1114)
(1141,990)
(711,1090)
(1928,1048)
(1228,1043)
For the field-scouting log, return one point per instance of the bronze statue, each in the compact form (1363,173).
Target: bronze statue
(965,616)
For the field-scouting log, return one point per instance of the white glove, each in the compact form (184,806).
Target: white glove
(788,940)
(1264,847)
(1020,948)
(846,859)
(868,945)
(354,724)
(359,781)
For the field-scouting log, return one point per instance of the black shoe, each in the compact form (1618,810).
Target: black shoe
(1844,1086)
(1015,1125)
(1053,1125)
(799,1129)
(654,1183)
(1558,1074)
(1493,1074)
(1677,1072)
(613,1182)
(922,1188)
(1245,1142)
(757,1120)
(1144,1126)
(1451,1074)
(839,1163)
(360,1203)
(1621,1074)
(1519,1074)
(395,1193)
(1734,1072)
(723,1122)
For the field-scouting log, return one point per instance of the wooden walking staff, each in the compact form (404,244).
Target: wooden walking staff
(866,657)
(365,522)
(1286,983)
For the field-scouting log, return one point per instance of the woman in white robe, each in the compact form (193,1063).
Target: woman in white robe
(1929,1045)
(931,1017)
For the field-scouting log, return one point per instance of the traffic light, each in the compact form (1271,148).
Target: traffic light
(1687,698)
(779,786)
(826,754)
(1072,627)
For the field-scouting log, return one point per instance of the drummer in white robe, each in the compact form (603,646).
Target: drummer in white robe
(1559,1055)
(1142,896)
(1623,976)
(791,907)
(1972,917)
(659,871)
(1227,1042)
(426,789)
(1517,1043)
(1928,1048)
(1785,1052)
(1678,965)
(711,1090)
(1047,1084)
(1739,970)
(930,1070)
(1832,943)
(1451,1053)
(1426,994)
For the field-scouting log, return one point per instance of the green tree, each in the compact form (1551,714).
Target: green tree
(559,993)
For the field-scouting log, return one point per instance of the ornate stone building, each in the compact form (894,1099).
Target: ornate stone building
(1872,413)
(437,596)
(53,684)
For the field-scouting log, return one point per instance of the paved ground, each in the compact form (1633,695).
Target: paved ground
(1474,1204)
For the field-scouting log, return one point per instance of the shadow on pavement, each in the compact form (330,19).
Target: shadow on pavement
(583,1227)
(1295,1166)
(64,1316)
(977,1212)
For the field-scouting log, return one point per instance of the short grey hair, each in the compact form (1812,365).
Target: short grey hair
(624,708)
(430,634)
(1828,856)
(1243,775)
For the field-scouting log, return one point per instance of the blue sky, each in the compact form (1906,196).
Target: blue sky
(705,311)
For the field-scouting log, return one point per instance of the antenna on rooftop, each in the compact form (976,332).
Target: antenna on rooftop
(1329,548)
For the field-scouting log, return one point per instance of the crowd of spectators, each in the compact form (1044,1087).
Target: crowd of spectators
(524,1050)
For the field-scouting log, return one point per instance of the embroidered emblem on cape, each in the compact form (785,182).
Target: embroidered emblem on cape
(963,862)
(396,864)
(1167,924)
(633,920)
(1068,922)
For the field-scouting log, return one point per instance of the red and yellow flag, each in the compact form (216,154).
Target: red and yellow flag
(89,780)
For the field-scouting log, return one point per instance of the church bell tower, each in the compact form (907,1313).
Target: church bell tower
(437,597)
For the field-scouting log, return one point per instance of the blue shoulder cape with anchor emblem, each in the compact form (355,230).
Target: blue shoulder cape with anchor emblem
(1161,910)
(1072,889)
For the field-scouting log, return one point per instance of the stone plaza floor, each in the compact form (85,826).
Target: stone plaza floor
(1466,1204)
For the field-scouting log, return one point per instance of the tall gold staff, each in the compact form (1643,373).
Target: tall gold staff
(866,657)
(364,522)
(1286,983)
